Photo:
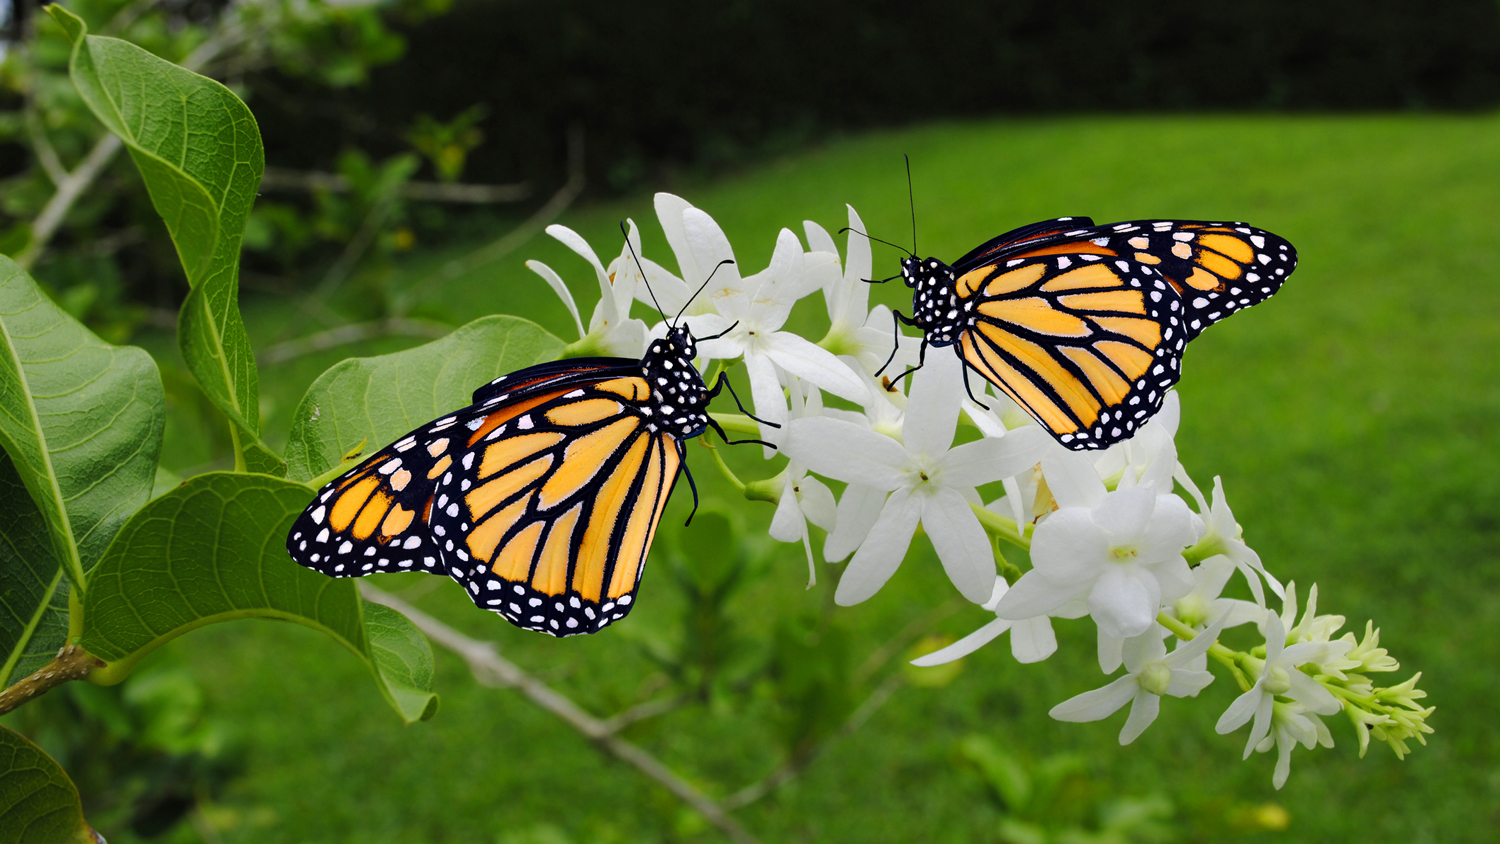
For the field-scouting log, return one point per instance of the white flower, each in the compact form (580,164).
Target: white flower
(855,329)
(1119,551)
(1031,640)
(929,482)
(1203,603)
(748,312)
(1152,673)
(803,497)
(611,329)
(1220,533)
(1291,723)
(1280,676)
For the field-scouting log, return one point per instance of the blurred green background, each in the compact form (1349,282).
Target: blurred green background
(1352,418)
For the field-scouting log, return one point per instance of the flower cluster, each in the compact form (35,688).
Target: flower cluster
(1108,535)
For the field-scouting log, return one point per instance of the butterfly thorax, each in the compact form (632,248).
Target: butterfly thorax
(679,399)
(935,305)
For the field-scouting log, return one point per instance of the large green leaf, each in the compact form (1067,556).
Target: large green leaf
(377,400)
(38,803)
(214,549)
(199,152)
(33,609)
(81,427)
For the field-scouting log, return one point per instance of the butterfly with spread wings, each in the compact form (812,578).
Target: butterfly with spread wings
(541,498)
(1084,325)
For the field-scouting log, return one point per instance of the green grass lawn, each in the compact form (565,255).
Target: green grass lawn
(1352,417)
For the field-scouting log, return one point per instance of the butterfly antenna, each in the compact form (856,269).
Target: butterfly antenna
(701,287)
(876,239)
(912,200)
(637,258)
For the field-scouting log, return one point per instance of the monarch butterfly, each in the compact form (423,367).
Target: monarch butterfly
(1084,325)
(541,498)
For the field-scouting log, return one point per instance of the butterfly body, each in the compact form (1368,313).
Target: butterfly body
(541,498)
(1084,326)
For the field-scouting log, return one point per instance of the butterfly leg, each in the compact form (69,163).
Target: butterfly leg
(970,390)
(722,383)
(896,319)
(682,458)
(921,362)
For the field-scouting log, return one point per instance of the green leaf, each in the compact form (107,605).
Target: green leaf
(81,427)
(378,400)
(214,549)
(199,152)
(38,803)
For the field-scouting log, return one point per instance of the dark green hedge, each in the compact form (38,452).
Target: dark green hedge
(704,82)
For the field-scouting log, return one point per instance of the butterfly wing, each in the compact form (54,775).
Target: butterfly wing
(1219,268)
(376,517)
(1086,343)
(549,515)
(1023,239)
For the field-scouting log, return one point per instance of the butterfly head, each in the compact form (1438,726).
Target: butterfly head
(679,399)
(935,305)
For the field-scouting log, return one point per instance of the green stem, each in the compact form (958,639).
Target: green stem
(737,423)
(1000,527)
(1224,656)
(727,472)
(239,454)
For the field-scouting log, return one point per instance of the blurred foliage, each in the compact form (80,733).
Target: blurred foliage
(111,263)
(665,86)
(145,754)
(447,145)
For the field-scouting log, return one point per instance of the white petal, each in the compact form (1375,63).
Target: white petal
(817,503)
(857,269)
(1186,683)
(1242,710)
(1311,694)
(1188,651)
(961,543)
(1174,577)
(1283,764)
(807,360)
(993,459)
(556,283)
(788,525)
(766,395)
(1124,513)
(1097,704)
(1068,547)
(858,510)
(1138,651)
(1124,601)
(1111,652)
(1143,711)
(818,238)
(1033,595)
(1071,477)
(1032,640)
(844,451)
(669,210)
(1171,524)
(932,406)
(1264,711)
(965,646)
(880,555)
(574,241)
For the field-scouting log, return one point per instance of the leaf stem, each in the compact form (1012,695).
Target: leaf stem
(71,663)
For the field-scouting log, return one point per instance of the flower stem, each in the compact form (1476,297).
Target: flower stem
(1224,656)
(737,423)
(1000,527)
